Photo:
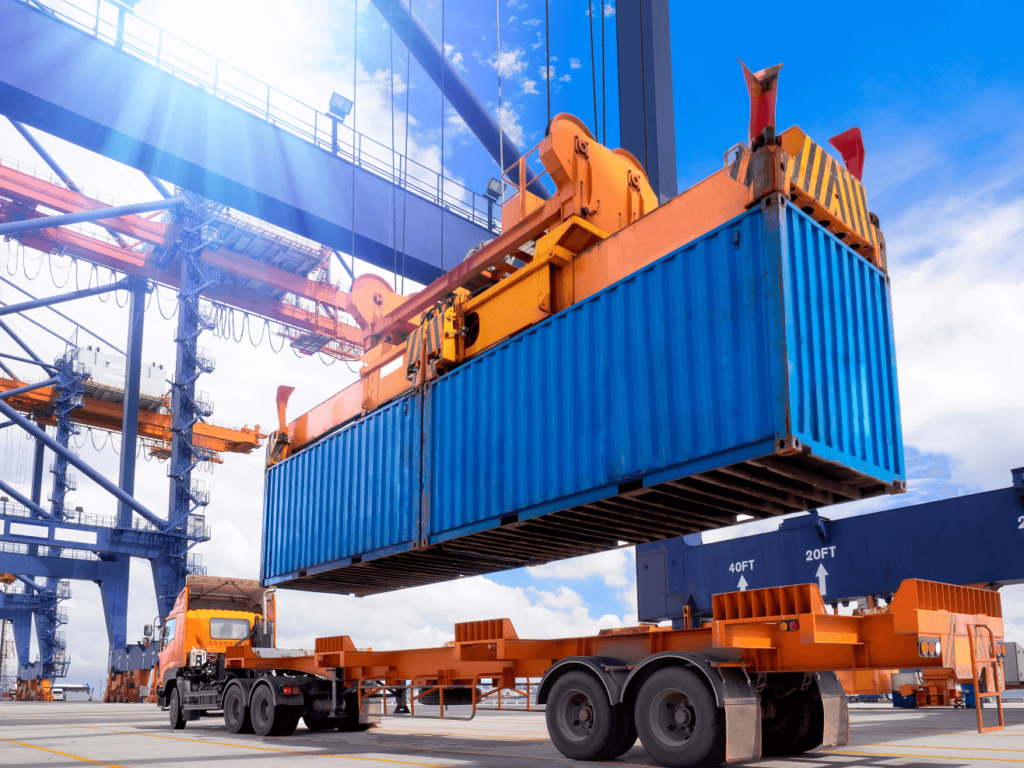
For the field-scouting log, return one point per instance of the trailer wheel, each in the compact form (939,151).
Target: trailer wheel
(626,724)
(677,720)
(177,716)
(317,722)
(236,713)
(795,725)
(349,722)
(581,721)
(268,720)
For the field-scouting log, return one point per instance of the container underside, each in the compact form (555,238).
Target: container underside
(765,487)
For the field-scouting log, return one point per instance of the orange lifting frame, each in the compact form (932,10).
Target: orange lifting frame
(778,629)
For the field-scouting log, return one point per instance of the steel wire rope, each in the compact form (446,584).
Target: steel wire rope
(330,360)
(394,199)
(160,306)
(53,278)
(24,265)
(547,62)
(593,66)
(408,97)
(501,109)
(355,69)
(604,94)
(440,176)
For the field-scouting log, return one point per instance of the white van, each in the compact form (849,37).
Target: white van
(57,694)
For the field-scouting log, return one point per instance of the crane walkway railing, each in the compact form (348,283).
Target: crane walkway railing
(114,24)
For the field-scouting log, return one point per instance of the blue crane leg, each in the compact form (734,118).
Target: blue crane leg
(114,593)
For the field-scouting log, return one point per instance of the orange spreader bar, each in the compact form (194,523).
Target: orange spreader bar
(24,192)
(154,425)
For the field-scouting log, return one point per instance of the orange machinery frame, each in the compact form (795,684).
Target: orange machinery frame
(777,629)
(103,414)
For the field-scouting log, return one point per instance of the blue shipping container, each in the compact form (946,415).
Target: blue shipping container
(750,372)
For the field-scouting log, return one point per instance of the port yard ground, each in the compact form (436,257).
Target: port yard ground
(133,735)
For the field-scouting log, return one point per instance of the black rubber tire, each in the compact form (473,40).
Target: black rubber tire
(236,711)
(796,727)
(665,698)
(263,713)
(289,720)
(349,722)
(174,710)
(581,721)
(316,722)
(816,732)
(627,734)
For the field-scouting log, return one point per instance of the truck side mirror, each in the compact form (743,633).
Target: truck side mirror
(147,631)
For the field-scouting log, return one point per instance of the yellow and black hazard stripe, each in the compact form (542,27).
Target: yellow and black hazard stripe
(820,182)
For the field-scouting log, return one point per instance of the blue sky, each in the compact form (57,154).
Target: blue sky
(936,92)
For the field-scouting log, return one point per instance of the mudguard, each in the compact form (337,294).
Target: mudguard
(836,732)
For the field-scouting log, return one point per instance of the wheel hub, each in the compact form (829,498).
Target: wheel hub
(672,717)
(575,714)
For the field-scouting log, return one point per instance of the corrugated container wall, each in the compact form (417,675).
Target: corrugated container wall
(750,372)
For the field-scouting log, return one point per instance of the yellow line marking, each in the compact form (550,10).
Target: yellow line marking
(62,754)
(284,751)
(925,757)
(925,746)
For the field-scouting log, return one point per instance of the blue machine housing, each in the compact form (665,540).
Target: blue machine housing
(975,539)
(750,372)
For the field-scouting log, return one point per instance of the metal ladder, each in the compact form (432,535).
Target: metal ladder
(985,666)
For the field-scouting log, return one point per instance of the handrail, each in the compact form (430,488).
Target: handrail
(174,56)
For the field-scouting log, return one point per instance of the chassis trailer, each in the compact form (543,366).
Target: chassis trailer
(758,679)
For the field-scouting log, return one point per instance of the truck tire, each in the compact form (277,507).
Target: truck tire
(627,732)
(318,722)
(268,720)
(236,712)
(677,720)
(795,726)
(349,723)
(581,721)
(174,709)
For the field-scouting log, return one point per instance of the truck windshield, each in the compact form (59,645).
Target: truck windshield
(229,629)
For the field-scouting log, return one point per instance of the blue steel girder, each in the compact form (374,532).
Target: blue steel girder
(22,621)
(113,103)
(966,540)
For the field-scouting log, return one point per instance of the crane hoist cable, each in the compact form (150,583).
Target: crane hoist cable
(355,68)
(408,95)
(593,70)
(604,95)
(394,180)
(547,62)
(501,109)
(440,181)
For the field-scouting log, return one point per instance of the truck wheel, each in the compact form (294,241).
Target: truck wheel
(317,722)
(581,721)
(289,720)
(236,713)
(677,720)
(627,732)
(177,716)
(263,712)
(795,727)
(349,723)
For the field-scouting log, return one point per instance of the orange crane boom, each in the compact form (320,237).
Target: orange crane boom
(154,423)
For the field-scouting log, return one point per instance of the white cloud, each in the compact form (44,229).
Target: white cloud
(455,57)
(609,9)
(532,22)
(544,71)
(616,567)
(566,78)
(513,61)
(575,63)
(511,124)
(530,86)
(957,316)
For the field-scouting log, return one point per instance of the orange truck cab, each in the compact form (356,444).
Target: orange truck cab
(210,615)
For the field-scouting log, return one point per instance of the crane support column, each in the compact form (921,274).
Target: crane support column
(647,125)
(133,380)
(187,405)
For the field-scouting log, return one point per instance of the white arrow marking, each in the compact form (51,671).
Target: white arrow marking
(821,574)
(742,585)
